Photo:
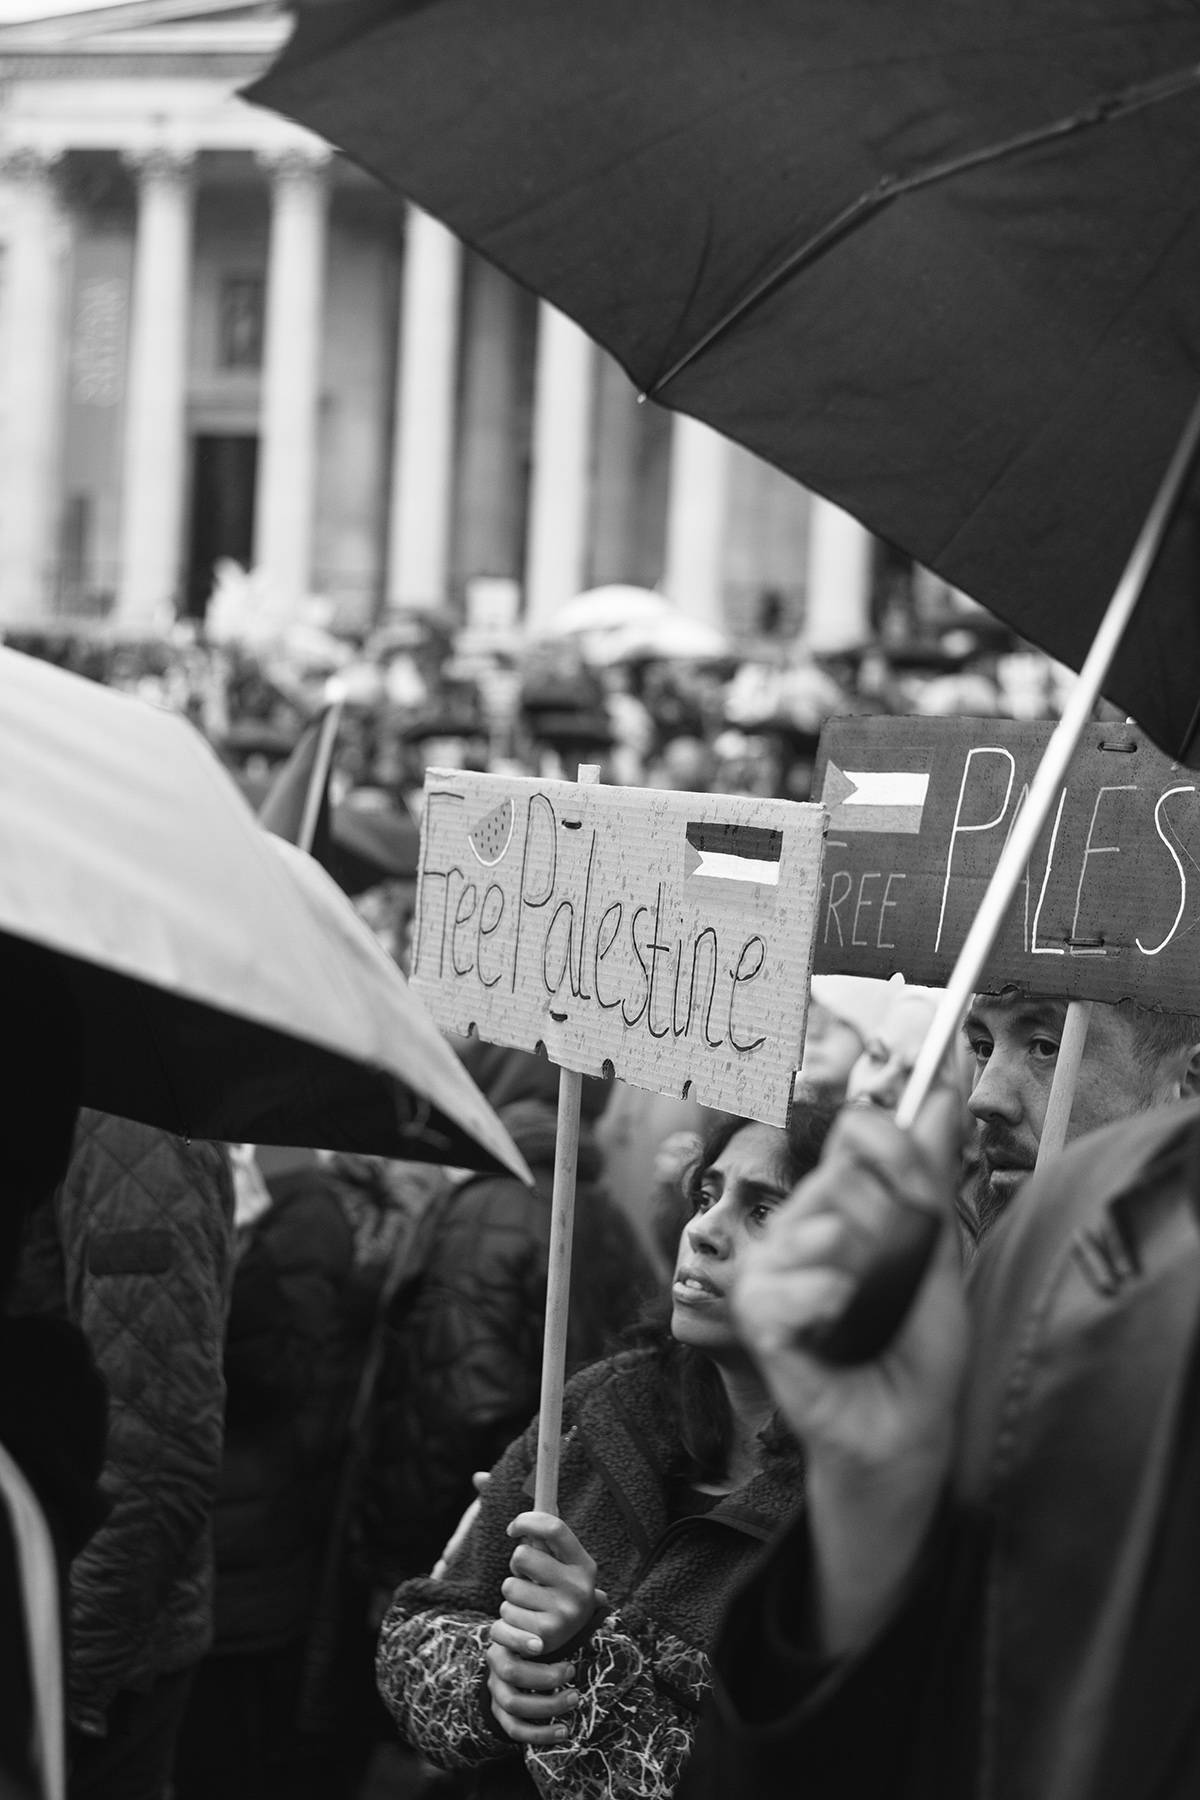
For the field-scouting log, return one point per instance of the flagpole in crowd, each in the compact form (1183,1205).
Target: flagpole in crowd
(317,795)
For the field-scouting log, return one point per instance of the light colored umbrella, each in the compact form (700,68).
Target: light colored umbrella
(228,989)
(613,607)
(670,637)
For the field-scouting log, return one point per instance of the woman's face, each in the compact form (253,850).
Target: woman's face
(735,1197)
(881,1072)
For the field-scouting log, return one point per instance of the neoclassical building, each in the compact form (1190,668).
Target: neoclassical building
(219,339)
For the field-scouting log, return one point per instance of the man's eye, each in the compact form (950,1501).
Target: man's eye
(980,1048)
(761,1213)
(703,1200)
(1044,1049)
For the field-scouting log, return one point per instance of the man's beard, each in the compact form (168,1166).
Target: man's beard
(986,1203)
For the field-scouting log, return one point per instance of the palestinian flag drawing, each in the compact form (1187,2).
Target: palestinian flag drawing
(738,859)
(875,799)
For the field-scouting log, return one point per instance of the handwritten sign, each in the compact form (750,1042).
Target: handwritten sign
(665,936)
(920,810)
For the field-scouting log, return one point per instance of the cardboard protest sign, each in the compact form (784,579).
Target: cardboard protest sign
(666,935)
(920,810)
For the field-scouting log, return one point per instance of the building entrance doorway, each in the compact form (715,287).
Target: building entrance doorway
(224,474)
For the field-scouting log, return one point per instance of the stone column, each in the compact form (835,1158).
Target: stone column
(556,562)
(423,442)
(696,517)
(30,394)
(154,468)
(838,606)
(283,522)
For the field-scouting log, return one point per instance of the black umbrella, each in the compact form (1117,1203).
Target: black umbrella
(940,263)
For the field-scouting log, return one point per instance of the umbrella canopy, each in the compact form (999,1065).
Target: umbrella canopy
(614,607)
(673,637)
(940,263)
(227,988)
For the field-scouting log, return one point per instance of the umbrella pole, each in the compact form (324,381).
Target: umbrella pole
(1066,1074)
(1044,788)
(558,1272)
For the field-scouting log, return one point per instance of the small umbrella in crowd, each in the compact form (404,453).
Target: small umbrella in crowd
(227,988)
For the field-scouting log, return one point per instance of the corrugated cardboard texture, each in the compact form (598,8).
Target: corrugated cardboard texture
(920,810)
(668,936)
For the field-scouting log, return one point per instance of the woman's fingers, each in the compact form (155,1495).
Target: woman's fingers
(522,1672)
(528,1561)
(529,1699)
(521,1643)
(552,1535)
(522,1732)
(534,1623)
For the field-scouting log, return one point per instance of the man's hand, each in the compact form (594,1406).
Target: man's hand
(879,1436)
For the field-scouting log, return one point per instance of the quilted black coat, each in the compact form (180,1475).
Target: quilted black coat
(135,1248)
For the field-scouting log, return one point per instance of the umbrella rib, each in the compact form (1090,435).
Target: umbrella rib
(892,187)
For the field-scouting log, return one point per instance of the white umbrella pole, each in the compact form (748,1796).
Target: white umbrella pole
(1044,789)
(558,1271)
(37,1586)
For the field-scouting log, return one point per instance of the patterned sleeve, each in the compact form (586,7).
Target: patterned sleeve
(432,1675)
(640,1697)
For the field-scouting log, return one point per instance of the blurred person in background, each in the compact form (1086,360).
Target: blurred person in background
(880,1075)
(844,1015)
(53,1405)
(287,1377)
(136,1249)
(683,765)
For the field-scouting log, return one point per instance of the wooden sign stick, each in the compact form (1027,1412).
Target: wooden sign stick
(558,1271)
(1066,1074)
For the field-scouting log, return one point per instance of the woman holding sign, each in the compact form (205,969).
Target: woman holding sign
(569,1656)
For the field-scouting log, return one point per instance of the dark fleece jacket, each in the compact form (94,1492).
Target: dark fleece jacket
(642,1671)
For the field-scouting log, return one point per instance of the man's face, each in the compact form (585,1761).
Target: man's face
(1014,1040)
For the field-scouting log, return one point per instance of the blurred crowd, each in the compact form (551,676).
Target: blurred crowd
(621,678)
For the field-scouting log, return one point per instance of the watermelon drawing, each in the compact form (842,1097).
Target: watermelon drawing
(490,836)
